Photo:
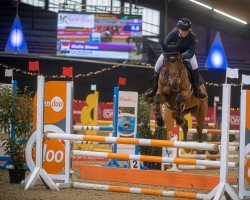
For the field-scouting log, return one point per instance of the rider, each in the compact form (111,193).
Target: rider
(188,41)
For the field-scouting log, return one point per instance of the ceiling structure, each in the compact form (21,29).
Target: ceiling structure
(236,8)
(203,16)
(239,9)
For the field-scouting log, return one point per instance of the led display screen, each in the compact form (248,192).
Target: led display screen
(93,35)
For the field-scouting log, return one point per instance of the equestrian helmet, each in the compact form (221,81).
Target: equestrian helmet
(184,24)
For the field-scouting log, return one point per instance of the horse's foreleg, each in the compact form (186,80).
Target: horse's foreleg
(180,101)
(199,131)
(182,122)
(158,115)
(200,123)
(184,127)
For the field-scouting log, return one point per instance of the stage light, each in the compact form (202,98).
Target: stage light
(201,4)
(216,58)
(16,37)
(16,41)
(230,16)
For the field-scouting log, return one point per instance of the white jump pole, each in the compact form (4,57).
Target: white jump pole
(218,192)
(157,159)
(39,171)
(135,141)
(244,147)
(69,127)
(216,131)
(133,190)
(69,131)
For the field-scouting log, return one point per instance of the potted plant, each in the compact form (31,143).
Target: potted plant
(15,119)
(144,130)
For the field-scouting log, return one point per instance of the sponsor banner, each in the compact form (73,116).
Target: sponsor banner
(126,124)
(54,121)
(105,111)
(54,103)
(128,99)
(127,121)
(75,20)
(53,156)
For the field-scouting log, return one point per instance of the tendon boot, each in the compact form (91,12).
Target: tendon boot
(152,91)
(196,84)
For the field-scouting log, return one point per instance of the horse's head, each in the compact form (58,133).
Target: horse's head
(173,66)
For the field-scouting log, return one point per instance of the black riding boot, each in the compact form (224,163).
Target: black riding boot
(152,91)
(196,83)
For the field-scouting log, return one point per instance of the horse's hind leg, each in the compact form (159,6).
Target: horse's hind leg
(200,125)
(200,116)
(199,130)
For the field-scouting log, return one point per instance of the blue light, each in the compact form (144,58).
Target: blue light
(217,58)
(16,41)
(16,38)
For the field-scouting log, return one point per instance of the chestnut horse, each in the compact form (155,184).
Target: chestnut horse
(175,90)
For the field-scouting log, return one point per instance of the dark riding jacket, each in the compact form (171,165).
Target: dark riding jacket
(188,44)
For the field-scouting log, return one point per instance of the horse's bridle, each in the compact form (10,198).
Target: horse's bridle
(166,76)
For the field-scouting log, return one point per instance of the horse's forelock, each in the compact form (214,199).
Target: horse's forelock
(175,65)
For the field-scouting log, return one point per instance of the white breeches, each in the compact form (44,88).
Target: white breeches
(192,61)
